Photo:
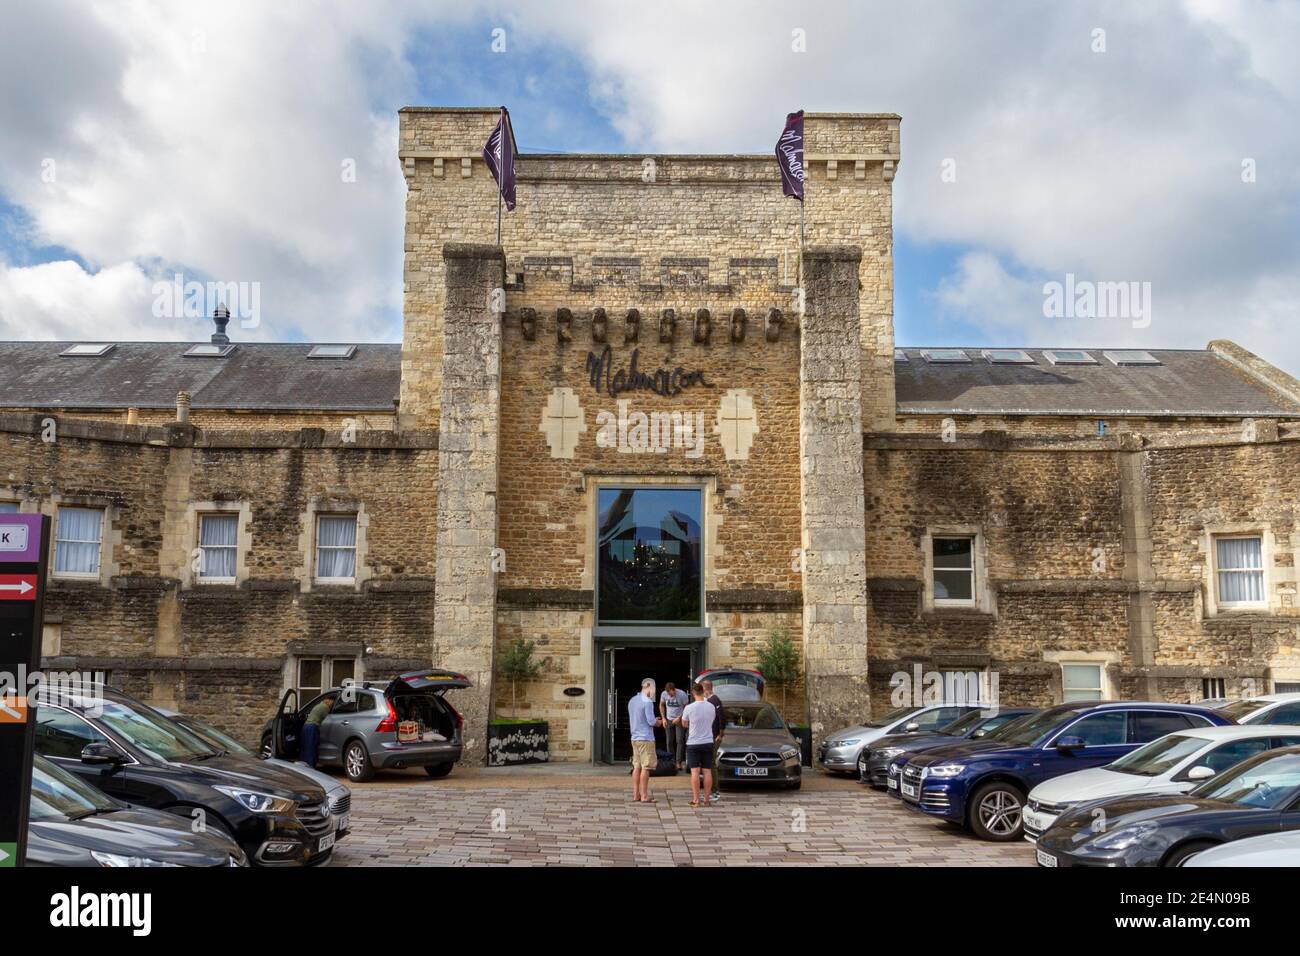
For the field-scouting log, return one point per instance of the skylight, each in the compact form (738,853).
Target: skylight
(1008,357)
(1131,357)
(332,351)
(944,355)
(90,349)
(900,355)
(1069,357)
(209,350)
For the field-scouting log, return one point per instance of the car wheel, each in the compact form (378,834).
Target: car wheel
(1178,856)
(796,784)
(356,762)
(268,745)
(438,770)
(995,811)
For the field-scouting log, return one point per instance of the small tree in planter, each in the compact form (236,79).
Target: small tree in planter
(778,660)
(517,664)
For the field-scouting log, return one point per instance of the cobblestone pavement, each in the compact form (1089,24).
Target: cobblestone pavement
(569,821)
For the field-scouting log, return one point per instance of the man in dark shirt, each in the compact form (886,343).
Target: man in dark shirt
(719,722)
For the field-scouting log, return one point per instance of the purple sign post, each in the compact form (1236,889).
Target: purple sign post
(24,544)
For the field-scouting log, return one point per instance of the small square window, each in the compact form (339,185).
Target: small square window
(218,548)
(1081,682)
(1239,571)
(336,548)
(953,570)
(1069,357)
(88,349)
(945,356)
(900,356)
(1212,688)
(77,540)
(332,352)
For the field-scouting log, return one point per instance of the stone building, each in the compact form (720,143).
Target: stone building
(645,434)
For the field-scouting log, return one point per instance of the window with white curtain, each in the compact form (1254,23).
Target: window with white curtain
(77,540)
(8,507)
(1239,570)
(336,547)
(218,547)
(1081,682)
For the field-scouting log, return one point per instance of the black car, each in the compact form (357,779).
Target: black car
(73,824)
(873,762)
(1259,795)
(757,746)
(136,755)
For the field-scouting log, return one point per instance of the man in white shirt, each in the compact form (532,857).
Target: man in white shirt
(697,718)
(671,704)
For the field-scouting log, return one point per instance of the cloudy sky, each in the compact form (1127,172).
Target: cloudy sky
(1153,142)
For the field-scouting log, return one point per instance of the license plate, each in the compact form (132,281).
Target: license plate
(343,822)
(325,843)
(1045,859)
(1038,821)
(909,790)
(893,783)
(751,771)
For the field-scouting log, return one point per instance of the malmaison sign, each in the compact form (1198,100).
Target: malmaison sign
(614,382)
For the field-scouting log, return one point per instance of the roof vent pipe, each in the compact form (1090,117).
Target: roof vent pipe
(220,318)
(183,407)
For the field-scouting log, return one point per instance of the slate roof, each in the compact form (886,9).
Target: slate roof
(264,376)
(1195,383)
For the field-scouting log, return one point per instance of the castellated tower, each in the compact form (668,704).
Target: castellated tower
(666,287)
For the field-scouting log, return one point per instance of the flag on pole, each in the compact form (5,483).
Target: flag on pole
(789,156)
(499,154)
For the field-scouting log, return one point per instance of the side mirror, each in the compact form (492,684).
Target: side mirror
(1200,772)
(912,727)
(1067,744)
(101,753)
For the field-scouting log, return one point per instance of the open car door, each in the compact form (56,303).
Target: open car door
(284,731)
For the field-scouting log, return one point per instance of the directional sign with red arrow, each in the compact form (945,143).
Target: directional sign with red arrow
(17,587)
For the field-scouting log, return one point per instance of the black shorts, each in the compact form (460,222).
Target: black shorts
(699,757)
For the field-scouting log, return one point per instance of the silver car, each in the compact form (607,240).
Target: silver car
(337,794)
(839,752)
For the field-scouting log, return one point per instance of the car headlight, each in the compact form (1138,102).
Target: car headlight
(889,753)
(256,801)
(944,770)
(1125,837)
(789,753)
(118,859)
(852,742)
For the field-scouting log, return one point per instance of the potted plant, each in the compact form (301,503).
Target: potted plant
(778,661)
(514,740)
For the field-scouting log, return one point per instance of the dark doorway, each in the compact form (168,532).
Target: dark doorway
(631,665)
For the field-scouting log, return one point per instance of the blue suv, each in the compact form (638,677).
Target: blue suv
(983,784)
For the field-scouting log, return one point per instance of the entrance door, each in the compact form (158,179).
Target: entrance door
(622,668)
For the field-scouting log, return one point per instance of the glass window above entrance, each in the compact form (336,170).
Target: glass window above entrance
(649,557)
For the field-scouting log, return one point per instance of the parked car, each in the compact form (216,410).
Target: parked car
(136,755)
(1174,763)
(873,761)
(337,793)
(1267,849)
(757,746)
(983,784)
(405,722)
(839,752)
(1268,709)
(1259,795)
(73,824)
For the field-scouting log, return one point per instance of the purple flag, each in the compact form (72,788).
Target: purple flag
(499,154)
(789,156)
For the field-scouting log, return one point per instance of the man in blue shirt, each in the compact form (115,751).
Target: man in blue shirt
(642,720)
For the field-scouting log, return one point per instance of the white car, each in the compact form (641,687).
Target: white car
(1270,708)
(1174,763)
(1267,849)
(839,752)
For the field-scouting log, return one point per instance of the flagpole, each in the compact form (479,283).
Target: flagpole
(498,216)
(801,205)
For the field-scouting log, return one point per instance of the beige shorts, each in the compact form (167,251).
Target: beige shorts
(643,755)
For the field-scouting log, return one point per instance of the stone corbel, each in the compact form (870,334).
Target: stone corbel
(888,170)
(703,326)
(563,325)
(774,322)
(738,323)
(632,326)
(832,169)
(465,167)
(599,325)
(408,167)
(667,325)
(528,323)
